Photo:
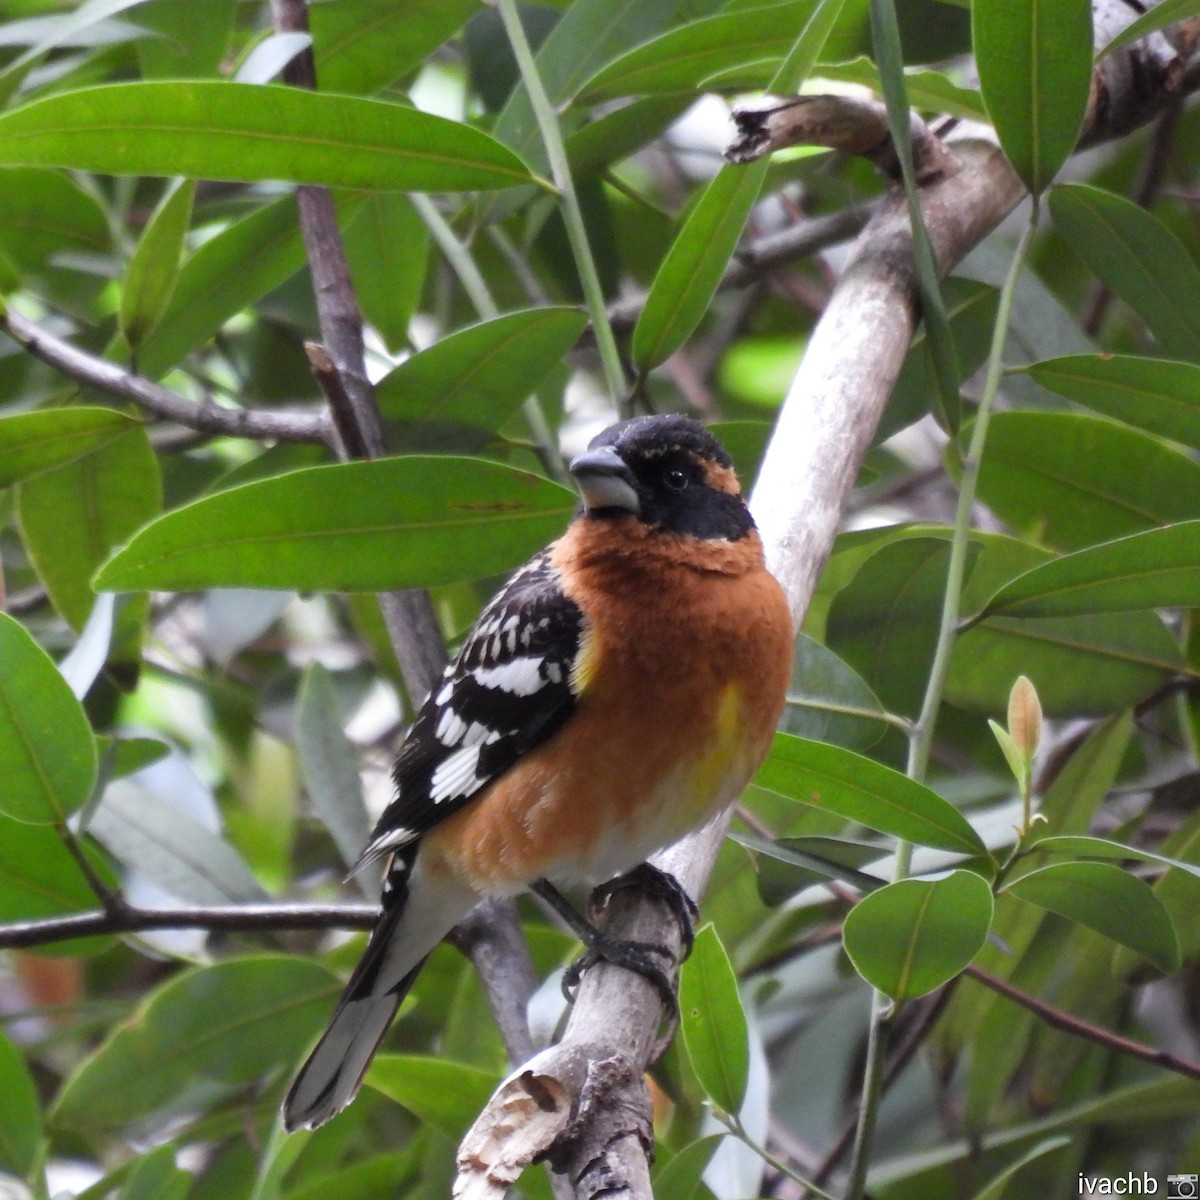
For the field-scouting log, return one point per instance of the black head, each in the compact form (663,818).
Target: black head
(666,471)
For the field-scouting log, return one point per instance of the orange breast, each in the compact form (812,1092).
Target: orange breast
(680,683)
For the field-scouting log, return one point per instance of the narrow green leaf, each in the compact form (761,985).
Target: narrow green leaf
(329,766)
(156,1177)
(473,381)
(47,753)
(154,267)
(171,848)
(227,274)
(1138,257)
(205,1033)
(1072,480)
(817,858)
(1159,395)
(362,526)
(72,517)
(40,441)
(912,936)
(1035,68)
(688,276)
(713,1022)
(687,279)
(445,1095)
(865,791)
(679,1178)
(361,45)
(995,1188)
(1108,900)
(1094,847)
(387,246)
(1156,569)
(1158,17)
(616,135)
(193,37)
(214,129)
(683,58)
(66,31)
(48,214)
(885,38)
(20,1114)
(1017,763)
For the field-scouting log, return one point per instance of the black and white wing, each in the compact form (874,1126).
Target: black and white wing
(509,689)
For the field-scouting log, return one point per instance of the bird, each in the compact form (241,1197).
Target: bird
(618,692)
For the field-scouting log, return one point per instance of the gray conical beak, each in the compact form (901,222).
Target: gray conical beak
(605,481)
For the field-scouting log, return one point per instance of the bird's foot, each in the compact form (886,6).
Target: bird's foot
(657,883)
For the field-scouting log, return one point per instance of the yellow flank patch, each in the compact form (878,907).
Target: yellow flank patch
(583,669)
(713,770)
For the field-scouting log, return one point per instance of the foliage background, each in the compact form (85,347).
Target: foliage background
(186,744)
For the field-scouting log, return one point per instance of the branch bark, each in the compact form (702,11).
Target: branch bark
(273,425)
(583,1103)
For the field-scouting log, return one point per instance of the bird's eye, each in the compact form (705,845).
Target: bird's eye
(676,479)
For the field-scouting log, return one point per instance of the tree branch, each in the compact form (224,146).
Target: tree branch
(233,918)
(1061,1019)
(279,425)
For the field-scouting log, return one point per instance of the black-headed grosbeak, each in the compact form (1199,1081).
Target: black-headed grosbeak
(617,693)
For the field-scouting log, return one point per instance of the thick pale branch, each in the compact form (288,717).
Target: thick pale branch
(279,425)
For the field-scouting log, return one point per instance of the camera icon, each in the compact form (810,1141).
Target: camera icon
(1183,1187)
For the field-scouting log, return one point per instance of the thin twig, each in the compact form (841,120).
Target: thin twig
(1066,1021)
(279,425)
(234,918)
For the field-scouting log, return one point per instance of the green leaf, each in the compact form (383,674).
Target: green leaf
(688,276)
(360,526)
(387,246)
(227,274)
(1035,69)
(995,1188)
(1094,847)
(40,878)
(912,936)
(47,753)
(1138,257)
(679,1178)
(884,622)
(40,441)
(329,765)
(616,135)
(47,214)
(72,517)
(1108,900)
(829,701)
(204,1033)
(361,45)
(1072,480)
(1156,569)
(156,1177)
(1162,15)
(172,849)
(757,38)
(154,267)
(1086,665)
(865,791)
(1158,395)
(713,1022)
(445,1095)
(588,33)
(214,129)
(813,859)
(476,379)
(194,37)
(20,1115)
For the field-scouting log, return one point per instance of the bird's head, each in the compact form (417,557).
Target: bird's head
(664,471)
